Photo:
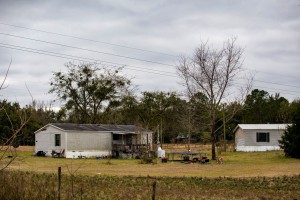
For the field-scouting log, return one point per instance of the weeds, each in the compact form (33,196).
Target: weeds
(25,185)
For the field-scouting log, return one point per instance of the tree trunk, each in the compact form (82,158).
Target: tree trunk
(213,143)
(213,136)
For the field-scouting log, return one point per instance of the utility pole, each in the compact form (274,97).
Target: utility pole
(224,128)
(189,127)
(59,183)
(161,132)
(158,134)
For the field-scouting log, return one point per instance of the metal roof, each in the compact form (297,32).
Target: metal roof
(98,127)
(262,126)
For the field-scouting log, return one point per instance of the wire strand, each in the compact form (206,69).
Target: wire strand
(84,49)
(90,40)
(83,59)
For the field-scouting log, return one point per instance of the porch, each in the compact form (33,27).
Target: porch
(129,145)
(129,151)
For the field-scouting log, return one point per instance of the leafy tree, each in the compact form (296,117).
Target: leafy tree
(182,119)
(275,109)
(290,140)
(175,120)
(88,90)
(154,110)
(129,110)
(198,104)
(260,107)
(255,107)
(152,107)
(212,72)
(233,120)
(195,117)
(8,117)
(285,111)
(124,113)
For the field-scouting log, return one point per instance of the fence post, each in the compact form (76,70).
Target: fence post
(59,183)
(153,190)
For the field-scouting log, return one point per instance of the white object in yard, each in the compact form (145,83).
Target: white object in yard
(161,153)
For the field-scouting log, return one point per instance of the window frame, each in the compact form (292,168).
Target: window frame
(116,137)
(262,138)
(57,140)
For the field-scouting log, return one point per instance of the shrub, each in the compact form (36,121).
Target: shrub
(290,140)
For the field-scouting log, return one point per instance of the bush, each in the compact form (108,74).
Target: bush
(290,140)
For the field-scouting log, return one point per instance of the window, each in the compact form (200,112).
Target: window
(262,137)
(57,140)
(115,137)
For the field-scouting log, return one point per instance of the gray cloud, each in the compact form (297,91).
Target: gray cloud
(269,31)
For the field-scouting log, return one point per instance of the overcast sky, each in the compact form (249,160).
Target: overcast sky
(146,37)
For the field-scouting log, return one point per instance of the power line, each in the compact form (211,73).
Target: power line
(270,73)
(89,59)
(74,47)
(275,90)
(294,92)
(83,59)
(123,46)
(84,49)
(97,60)
(134,68)
(286,93)
(276,83)
(112,44)
(90,40)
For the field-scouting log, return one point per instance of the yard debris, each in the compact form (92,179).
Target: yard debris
(220,160)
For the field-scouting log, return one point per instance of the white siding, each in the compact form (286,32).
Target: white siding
(250,137)
(257,148)
(88,144)
(239,138)
(80,141)
(45,140)
(245,140)
(145,137)
(87,154)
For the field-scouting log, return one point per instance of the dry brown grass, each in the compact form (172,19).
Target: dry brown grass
(256,175)
(193,147)
(21,185)
(21,148)
(236,164)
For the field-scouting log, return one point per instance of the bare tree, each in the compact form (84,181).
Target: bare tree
(6,148)
(213,72)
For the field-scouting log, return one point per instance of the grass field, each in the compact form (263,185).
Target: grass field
(40,186)
(256,175)
(236,164)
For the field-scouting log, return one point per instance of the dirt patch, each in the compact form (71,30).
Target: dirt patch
(22,148)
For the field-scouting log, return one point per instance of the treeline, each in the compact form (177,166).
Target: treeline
(163,112)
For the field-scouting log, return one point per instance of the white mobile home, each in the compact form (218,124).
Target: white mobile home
(258,137)
(91,140)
